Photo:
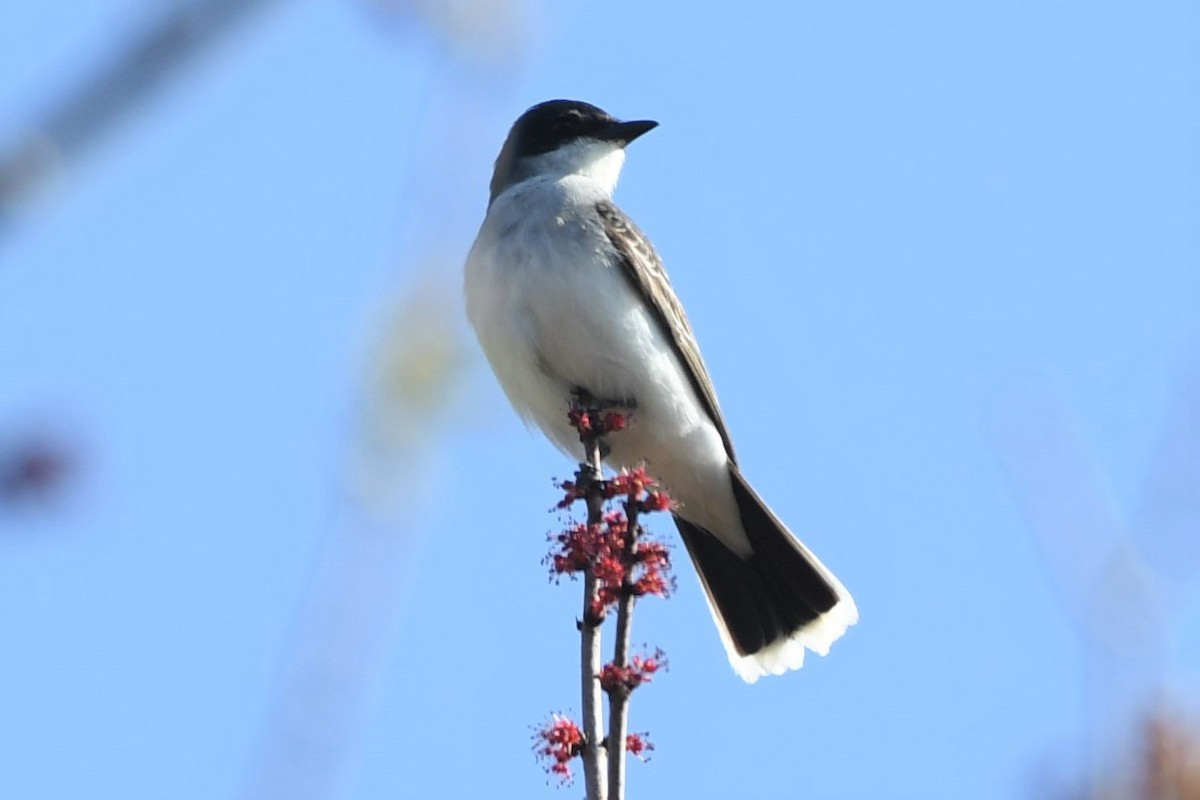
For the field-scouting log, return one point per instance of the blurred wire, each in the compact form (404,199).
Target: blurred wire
(491,30)
(1125,586)
(1167,525)
(486,31)
(413,379)
(81,118)
(351,608)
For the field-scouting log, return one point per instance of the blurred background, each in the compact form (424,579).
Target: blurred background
(268,529)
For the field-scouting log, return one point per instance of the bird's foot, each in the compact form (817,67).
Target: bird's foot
(594,418)
(587,401)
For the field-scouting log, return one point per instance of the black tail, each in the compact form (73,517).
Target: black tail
(770,596)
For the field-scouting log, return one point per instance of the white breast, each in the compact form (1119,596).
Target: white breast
(553,310)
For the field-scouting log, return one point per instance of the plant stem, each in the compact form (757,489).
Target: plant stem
(594,753)
(618,696)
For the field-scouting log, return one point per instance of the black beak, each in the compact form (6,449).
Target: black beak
(625,132)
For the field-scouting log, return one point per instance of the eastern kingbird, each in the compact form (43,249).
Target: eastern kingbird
(568,297)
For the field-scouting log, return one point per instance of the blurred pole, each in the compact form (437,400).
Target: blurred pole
(1167,526)
(346,621)
(1100,579)
(82,117)
(349,610)
(1123,591)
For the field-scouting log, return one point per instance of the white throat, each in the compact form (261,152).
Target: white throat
(599,161)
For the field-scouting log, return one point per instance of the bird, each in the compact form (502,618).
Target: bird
(569,299)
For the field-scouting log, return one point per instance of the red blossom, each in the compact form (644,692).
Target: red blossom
(636,486)
(629,483)
(572,491)
(653,555)
(654,584)
(614,421)
(581,420)
(639,670)
(616,521)
(556,743)
(636,744)
(657,500)
(576,547)
(639,489)
(603,548)
(655,578)
(610,570)
(590,424)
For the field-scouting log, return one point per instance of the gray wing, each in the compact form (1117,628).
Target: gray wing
(645,272)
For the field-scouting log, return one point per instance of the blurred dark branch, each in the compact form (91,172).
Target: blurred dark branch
(1162,763)
(1171,760)
(35,471)
(84,115)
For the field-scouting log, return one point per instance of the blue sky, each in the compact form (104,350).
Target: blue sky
(937,255)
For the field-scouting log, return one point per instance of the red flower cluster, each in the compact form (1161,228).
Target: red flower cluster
(638,671)
(591,424)
(654,576)
(639,489)
(645,571)
(620,567)
(636,744)
(557,742)
(580,546)
(572,491)
(636,486)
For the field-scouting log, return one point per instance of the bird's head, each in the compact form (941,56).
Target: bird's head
(565,137)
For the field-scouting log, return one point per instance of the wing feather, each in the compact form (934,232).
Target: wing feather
(646,273)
